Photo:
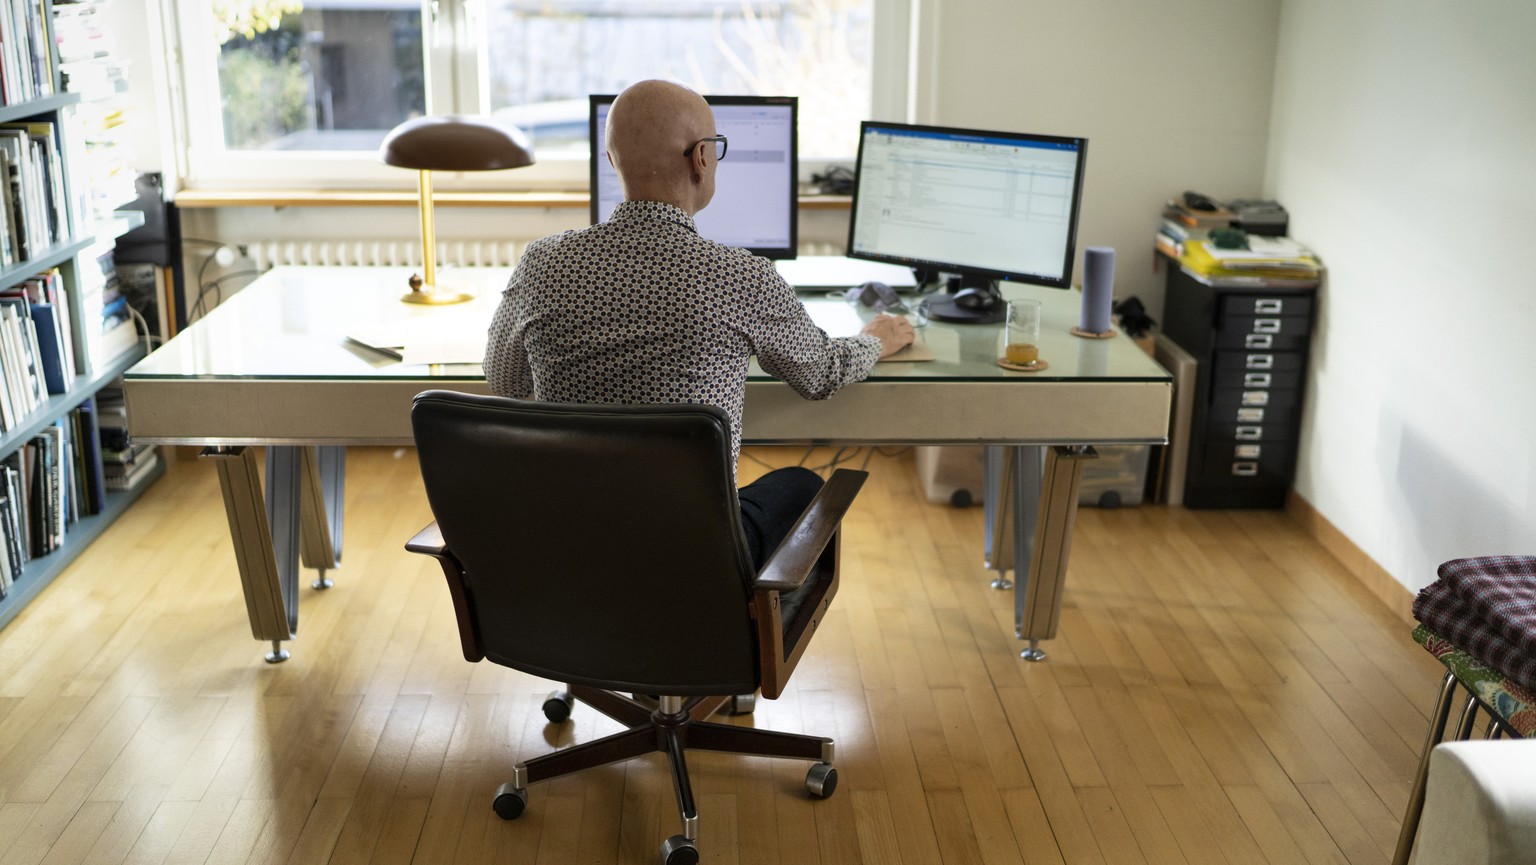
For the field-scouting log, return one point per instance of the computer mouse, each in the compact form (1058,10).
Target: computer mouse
(974,298)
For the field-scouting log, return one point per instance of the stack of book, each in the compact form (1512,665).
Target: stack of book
(124,462)
(105,320)
(91,66)
(25,46)
(1266,260)
(22,371)
(47,484)
(34,212)
(1182,224)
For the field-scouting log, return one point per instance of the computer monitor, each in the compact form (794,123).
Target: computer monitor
(755,205)
(983,206)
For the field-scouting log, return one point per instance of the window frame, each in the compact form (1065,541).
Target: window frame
(456,78)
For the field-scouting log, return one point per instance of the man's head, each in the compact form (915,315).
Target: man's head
(656,132)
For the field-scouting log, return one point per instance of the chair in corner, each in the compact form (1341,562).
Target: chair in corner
(601,547)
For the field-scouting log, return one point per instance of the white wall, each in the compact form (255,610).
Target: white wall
(1403,142)
(1171,95)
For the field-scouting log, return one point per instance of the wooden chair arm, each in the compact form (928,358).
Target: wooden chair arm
(792,562)
(429,542)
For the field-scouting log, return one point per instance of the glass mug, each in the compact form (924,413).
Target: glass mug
(1021,332)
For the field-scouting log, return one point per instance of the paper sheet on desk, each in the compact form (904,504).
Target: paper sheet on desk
(427,339)
(844,320)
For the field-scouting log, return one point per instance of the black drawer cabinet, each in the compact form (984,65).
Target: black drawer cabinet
(1252,345)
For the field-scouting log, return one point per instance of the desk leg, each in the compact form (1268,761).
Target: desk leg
(322,480)
(269,530)
(1037,605)
(1011,502)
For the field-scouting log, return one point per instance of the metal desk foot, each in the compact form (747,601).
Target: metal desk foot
(322,582)
(1034,652)
(1001,582)
(278,653)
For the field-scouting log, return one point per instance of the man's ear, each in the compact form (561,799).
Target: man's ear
(698,161)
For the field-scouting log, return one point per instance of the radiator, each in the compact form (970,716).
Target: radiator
(265,254)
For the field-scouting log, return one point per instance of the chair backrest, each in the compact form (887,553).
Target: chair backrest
(602,544)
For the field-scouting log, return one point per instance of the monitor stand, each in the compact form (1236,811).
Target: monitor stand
(992,308)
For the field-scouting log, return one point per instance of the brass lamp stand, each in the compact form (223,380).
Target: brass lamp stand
(451,143)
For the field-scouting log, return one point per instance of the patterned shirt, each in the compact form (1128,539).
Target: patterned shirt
(642,310)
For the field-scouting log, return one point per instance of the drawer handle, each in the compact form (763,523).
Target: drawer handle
(1268,306)
(1259,340)
(1245,469)
(1266,325)
(1261,361)
(1256,379)
(1250,433)
(1250,415)
(1255,397)
(1247,452)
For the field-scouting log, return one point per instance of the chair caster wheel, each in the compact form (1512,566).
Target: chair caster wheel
(743,704)
(509,802)
(821,780)
(557,706)
(678,850)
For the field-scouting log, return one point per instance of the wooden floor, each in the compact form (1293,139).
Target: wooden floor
(1221,692)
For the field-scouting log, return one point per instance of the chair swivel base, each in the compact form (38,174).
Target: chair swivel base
(673,727)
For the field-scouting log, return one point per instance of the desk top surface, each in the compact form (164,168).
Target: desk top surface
(294,323)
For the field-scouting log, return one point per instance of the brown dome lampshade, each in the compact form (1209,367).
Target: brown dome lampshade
(448,143)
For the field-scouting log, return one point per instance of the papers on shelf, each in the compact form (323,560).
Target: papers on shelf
(1203,258)
(1274,249)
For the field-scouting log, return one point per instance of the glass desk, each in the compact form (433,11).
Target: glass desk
(274,367)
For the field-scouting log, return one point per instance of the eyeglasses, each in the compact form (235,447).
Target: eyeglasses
(720,146)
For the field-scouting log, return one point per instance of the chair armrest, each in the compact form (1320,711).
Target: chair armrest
(428,541)
(793,560)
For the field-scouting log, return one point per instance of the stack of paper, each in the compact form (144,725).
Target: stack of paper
(1266,257)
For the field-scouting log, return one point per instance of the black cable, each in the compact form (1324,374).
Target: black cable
(213,285)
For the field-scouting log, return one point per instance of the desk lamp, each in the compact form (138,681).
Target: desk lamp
(452,143)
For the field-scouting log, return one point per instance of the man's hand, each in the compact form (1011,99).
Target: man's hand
(895,333)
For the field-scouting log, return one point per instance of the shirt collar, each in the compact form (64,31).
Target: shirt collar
(653,211)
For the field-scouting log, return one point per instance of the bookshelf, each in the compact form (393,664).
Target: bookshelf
(63,233)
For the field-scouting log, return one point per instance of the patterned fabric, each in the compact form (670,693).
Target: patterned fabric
(1487,607)
(641,309)
(1516,705)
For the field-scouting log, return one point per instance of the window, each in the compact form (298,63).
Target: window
(307,89)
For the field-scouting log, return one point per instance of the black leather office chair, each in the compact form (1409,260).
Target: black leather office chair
(601,546)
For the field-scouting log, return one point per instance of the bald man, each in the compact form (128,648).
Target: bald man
(641,309)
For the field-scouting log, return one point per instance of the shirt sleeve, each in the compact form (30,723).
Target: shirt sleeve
(506,354)
(791,348)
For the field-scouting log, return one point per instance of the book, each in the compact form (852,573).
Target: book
(10,565)
(95,494)
(51,348)
(1206,219)
(130,480)
(15,491)
(57,502)
(15,169)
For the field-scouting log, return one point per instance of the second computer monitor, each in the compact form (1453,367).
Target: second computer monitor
(755,203)
(986,206)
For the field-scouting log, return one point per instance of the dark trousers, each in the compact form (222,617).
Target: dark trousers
(769,507)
